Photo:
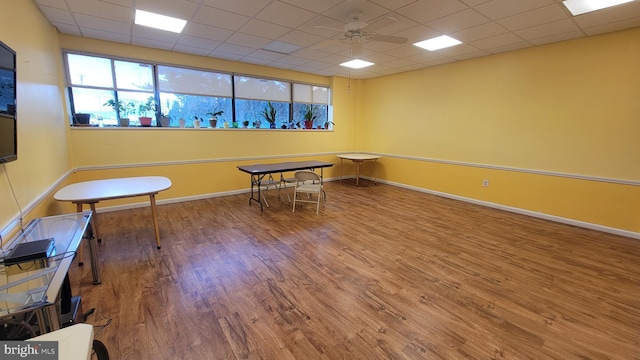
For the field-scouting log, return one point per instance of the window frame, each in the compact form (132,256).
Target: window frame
(156,91)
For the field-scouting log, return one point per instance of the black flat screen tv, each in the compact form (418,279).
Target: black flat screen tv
(8,129)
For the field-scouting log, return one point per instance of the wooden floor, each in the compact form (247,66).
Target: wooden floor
(381,273)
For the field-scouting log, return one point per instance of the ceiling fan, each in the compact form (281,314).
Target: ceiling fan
(357,32)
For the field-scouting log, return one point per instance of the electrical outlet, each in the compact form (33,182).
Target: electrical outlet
(485,182)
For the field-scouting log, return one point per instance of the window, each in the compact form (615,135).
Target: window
(258,99)
(187,93)
(316,98)
(112,90)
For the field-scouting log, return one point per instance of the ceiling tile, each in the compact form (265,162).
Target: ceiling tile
(198,42)
(59,4)
(67,29)
(191,50)
(610,27)
(393,4)
(499,9)
(610,15)
(106,35)
(234,49)
(207,32)
(539,16)
(251,41)
(96,23)
(429,10)
(248,8)
(554,28)
(101,9)
(496,41)
(313,5)
(458,21)
(263,29)
(479,32)
(220,18)
(346,10)
(285,14)
(300,38)
(57,15)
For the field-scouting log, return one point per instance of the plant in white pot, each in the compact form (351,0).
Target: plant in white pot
(122,109)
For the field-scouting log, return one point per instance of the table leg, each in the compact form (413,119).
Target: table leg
(340,169)
(93,253)
(357,171)
(375,181)
(95,222)
(152,199)
(80,246)
(52,315)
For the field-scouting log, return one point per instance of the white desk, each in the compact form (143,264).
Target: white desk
(74,342)
(358,159)
(92,192)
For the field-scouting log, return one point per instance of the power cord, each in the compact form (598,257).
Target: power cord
(4,168)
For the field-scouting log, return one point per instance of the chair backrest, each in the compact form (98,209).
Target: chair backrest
(305,175)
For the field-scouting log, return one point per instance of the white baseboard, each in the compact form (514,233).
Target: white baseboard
(582,224)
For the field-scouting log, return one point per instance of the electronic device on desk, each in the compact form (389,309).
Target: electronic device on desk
(30,251)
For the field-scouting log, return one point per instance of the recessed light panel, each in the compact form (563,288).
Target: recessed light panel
(438,43)
(578,7)
(158,21)
(357,64)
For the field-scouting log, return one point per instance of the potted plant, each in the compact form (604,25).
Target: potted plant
(245,124)
(122,110)
(165,120)
(144,109)
(196,122)
(327,123)
(269,114)
(82,119)
(309,116)
(234,124)
(213,120)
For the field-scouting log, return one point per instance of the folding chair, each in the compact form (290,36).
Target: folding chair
(308,183)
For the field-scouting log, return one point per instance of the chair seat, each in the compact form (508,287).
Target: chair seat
(309,183)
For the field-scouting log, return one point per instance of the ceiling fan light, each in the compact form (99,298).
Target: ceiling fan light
(578,7)
(356,64)
(438,43)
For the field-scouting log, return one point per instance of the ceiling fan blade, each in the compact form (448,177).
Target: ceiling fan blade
(391,39)
(382,22)
(328,27)
(324,43)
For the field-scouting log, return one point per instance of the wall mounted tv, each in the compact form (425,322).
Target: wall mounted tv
(8,130)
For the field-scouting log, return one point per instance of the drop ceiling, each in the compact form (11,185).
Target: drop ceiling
(265,32)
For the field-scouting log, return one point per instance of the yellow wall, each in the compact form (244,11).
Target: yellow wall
(42,132)
(568,109)
(530,121)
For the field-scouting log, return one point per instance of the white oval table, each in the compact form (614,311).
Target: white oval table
(358,159)
(94,191)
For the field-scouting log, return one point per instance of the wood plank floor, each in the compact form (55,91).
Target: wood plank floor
(381,273)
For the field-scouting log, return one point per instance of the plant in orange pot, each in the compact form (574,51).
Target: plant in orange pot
(309,116)
(144,109)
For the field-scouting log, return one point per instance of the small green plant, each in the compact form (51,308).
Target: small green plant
(310,113)
(123,109)
(269,114)
(215,113)
(145,108)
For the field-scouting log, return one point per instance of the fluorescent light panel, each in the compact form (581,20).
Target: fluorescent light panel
(357,64)
(158,21)
(438,43)
(578,7)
